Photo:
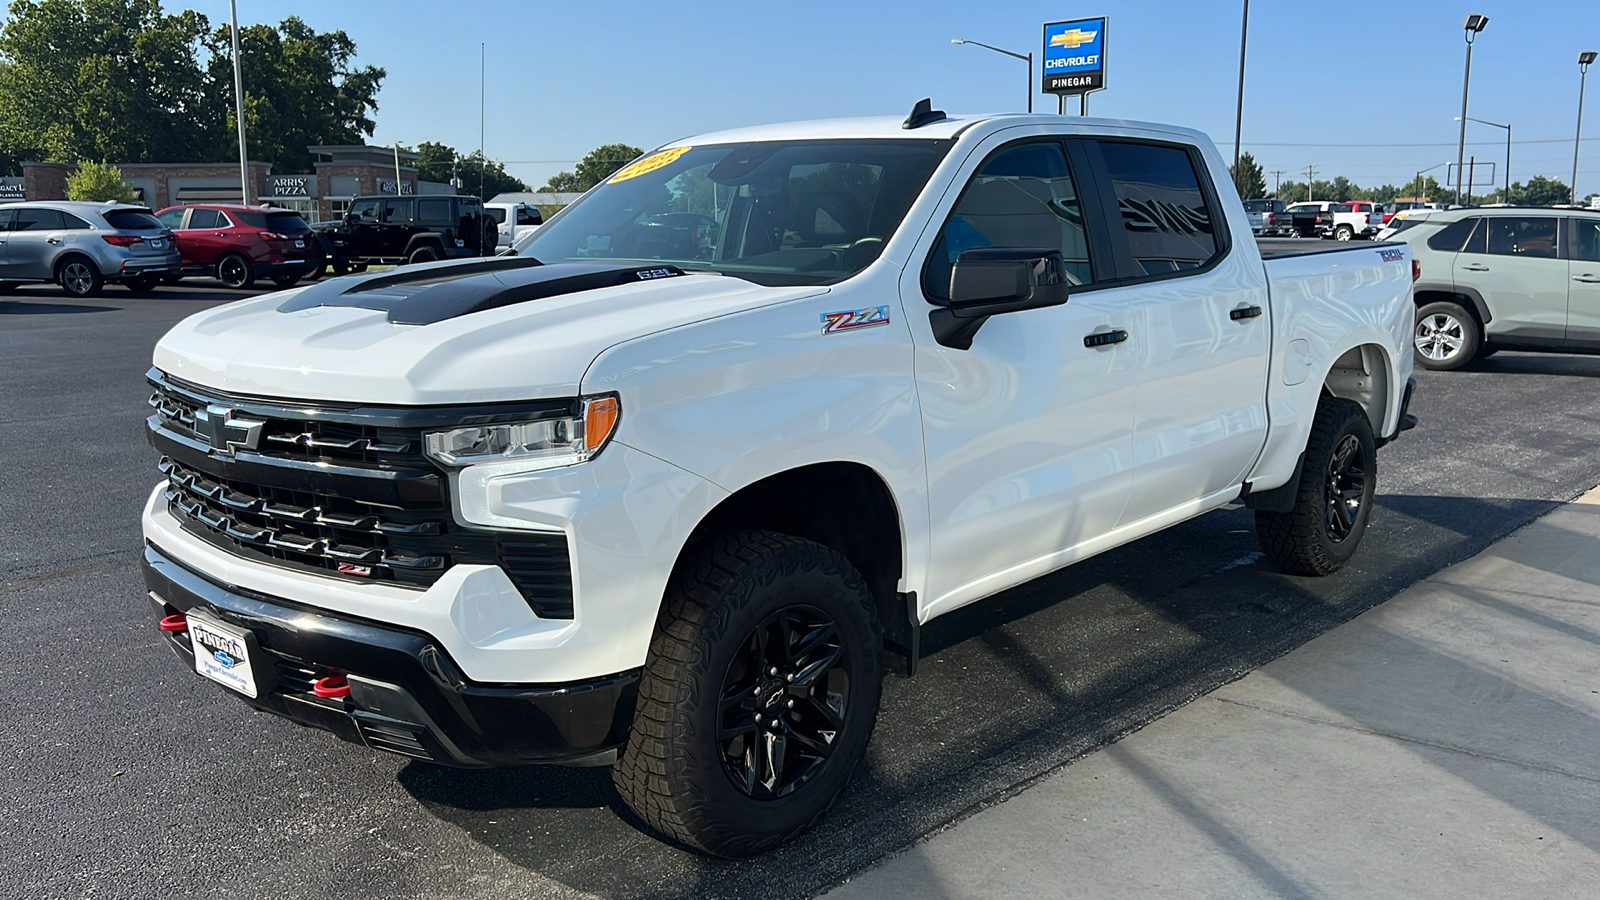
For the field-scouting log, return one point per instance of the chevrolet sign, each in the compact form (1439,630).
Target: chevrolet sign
(1074,56)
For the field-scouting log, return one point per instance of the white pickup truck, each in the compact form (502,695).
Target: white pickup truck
(668,489)
(514,220)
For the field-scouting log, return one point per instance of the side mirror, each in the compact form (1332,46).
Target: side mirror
(991,281)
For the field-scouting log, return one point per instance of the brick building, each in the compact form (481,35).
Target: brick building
(342,172)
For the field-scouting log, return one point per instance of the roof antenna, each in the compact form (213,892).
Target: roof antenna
(923,114)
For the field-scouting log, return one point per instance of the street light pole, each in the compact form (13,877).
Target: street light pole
(1238,109)
(1584,59)
(1028,58)
(1474,24)
(238,104)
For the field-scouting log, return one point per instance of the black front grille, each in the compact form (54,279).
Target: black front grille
(348,499)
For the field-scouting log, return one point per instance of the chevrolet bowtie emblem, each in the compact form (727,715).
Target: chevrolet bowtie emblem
(1073,39)
(226,432)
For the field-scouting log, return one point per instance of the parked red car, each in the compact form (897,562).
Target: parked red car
(237,244)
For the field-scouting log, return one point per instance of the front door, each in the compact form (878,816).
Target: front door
(362,228)
(6,215)
(1514,263)
(204,237)
(1199,332)
(34,241)
(1583,284)
(1028,431)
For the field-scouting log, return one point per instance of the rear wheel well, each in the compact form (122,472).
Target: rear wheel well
(1472,305)
(1361,374)
(65,258)
(845,507)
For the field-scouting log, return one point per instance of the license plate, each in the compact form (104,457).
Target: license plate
(221,653)
(299,243)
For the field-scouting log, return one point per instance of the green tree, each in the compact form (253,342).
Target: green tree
(300,89)
(1540,191)
(1249,178)
(486,178)
(594,168)
(1383,194)
(99,182)
(1342,189)
(101,79)
(1291,191)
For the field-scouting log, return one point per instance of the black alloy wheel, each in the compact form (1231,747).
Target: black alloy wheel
(235,271)
(783,702)
(1346,488)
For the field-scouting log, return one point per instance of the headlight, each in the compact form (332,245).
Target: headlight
(547,443)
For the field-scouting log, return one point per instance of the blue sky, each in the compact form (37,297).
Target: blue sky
(1365,89)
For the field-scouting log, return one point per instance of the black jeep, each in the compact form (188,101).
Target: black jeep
(408,230)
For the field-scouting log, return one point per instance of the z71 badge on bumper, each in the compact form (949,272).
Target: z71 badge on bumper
(854,318)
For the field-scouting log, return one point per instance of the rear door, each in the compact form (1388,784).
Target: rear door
(399,215)
(204,237)
(1583,283)
(6,215)
(1198,328)
(1514,262)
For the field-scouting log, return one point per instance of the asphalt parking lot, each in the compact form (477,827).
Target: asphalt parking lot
(126,776)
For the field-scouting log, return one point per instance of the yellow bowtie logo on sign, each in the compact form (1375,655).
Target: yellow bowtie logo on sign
(1073,39)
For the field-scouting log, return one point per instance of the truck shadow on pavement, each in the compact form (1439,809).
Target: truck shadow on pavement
(27,308)
(1008,690)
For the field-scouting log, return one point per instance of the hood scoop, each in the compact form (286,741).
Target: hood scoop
(428,294)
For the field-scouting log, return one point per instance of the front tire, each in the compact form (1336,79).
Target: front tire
(79,277)
(758,697)
(236,272)
(1446,336)
(422,255)
(1337,482)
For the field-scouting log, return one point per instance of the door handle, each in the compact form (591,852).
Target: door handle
(1103,338)
(53,240)
(1476,267)
(1244,312)
(1587,278)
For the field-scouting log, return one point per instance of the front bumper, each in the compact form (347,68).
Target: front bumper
(407,695)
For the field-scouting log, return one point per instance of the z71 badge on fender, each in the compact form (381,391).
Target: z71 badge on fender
(835,322)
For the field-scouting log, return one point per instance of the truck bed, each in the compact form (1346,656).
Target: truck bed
(1280,248)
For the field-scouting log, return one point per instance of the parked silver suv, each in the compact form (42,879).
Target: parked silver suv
(1525,278)
(81,246)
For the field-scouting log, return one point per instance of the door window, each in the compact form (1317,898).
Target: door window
(1585,247)
(1530,236)
(397,211)
(172,218)
(203,218)
(5,219)
(1166,220)
(365,209)
(1022,196)
(37,220)
(434,213)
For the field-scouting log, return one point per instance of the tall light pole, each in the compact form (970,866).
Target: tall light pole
(1422,172)
(1584,59)
(238,104)
(1028,59)
(1474,24)
(1238,109)
(1506,198)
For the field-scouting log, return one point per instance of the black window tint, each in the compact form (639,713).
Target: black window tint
(529,217)
(498,215)
(1531,236)
(367,209)
(1165,218)
(6,216)
(1022,196)
(204,218)
(434,213)
(1586,247)
(37,220)
(133,220)
(397,210)
(73,223)
(1453,237)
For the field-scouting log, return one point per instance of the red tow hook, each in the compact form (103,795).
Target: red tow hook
(331,687)
(175,622)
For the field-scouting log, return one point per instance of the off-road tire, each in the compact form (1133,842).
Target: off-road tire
(235,271)
(672,772)
(1304,541)
(79,277)
(1445,336)
(423,255)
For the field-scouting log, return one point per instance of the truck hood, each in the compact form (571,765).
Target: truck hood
(481,331)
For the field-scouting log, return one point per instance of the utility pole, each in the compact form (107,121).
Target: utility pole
(1311,174)
(483,92)
(1277,176)
(238,104)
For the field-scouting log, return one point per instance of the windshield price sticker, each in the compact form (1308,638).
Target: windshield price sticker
(649,163)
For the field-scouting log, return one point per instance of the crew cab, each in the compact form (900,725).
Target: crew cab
(408,229)
(514,220)
(1264,218)
(1330,219)
(671,497)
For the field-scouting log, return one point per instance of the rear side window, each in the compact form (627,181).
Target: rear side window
(172,218)
(73,223)
(204,218)
(1586,245)
(1165,218)
(132,220)
(434,213)
(1022,196)
(397,210)
(1453,237)
(37,220)
(1531,236)
(6,216)
(285,222)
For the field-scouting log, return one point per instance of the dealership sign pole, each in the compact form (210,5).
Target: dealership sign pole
(1075,60)
(238,105)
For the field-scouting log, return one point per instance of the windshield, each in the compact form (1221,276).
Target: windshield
(774,212)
